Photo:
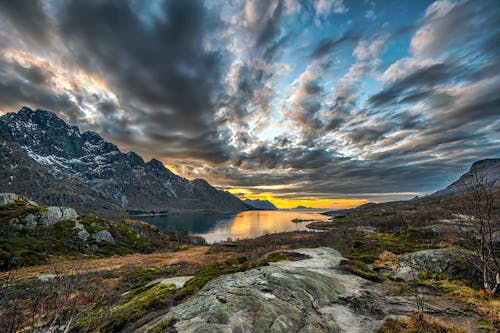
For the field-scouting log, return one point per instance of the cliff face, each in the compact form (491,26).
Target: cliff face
(45,158)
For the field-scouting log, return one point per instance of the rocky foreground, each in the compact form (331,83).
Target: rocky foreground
(310,295)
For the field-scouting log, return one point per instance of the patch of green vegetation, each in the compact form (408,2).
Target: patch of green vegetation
(41,244)
(18,209)
(106,318)
(232,265)
(23,247)
(223,247)
(136,307)
(166,325)
(277,256)
(285,255)
(182,247)
(366,247)
(359,268)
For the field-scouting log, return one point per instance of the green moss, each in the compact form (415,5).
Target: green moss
(366,247)
(133,308)
(359,268)
(232,265)
(163,325)
(90,320)
(18,209)
(276,256)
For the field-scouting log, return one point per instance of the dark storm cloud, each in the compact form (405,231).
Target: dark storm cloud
(30,86)
(368,135)
(191,85)
(298,158)
(35,23)
(162,67)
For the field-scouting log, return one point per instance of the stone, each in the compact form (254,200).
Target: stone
(51,216)
(69,214)
(103,235)
(30,221)
(449,263)
(83,234)
(178,281)
(55,214)
(9,198)
(47,277)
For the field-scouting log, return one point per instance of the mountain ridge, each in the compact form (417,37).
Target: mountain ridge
(489,169)
(57,152)
(260,204)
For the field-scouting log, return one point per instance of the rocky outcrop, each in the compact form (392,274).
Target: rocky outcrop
(10,198)
(447,263)
(30,215)
(103,236)
(310,295)
(45,158)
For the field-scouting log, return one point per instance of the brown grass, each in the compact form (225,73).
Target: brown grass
(418,323)
(196,256)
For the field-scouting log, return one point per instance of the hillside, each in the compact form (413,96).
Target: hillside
(488,169)
(54,163)
(260,204)
(31,234)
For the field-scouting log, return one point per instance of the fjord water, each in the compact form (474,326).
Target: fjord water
(215,227)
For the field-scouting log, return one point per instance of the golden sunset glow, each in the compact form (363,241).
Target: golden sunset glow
(285,203)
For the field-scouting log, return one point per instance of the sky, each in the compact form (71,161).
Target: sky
(321,103)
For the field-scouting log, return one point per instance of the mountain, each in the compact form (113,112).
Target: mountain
(302,207)
(260,204)
(489,169)
(45,158)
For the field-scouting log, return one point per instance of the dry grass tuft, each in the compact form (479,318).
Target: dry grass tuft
(418,323)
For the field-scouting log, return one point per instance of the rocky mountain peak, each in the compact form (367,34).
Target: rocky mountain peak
(46,137)
(125,179)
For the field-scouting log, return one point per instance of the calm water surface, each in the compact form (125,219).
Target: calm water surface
(215,227)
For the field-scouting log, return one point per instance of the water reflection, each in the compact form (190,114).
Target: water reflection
(216,227)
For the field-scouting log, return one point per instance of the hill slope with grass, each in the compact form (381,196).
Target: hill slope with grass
(31,234)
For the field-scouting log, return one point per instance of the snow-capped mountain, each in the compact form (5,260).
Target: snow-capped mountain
(124,180)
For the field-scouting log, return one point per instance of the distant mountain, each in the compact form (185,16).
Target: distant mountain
(45,158)
(260,204)
(302,207)
(488,168)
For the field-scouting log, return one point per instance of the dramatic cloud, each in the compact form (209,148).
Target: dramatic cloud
(291,98)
